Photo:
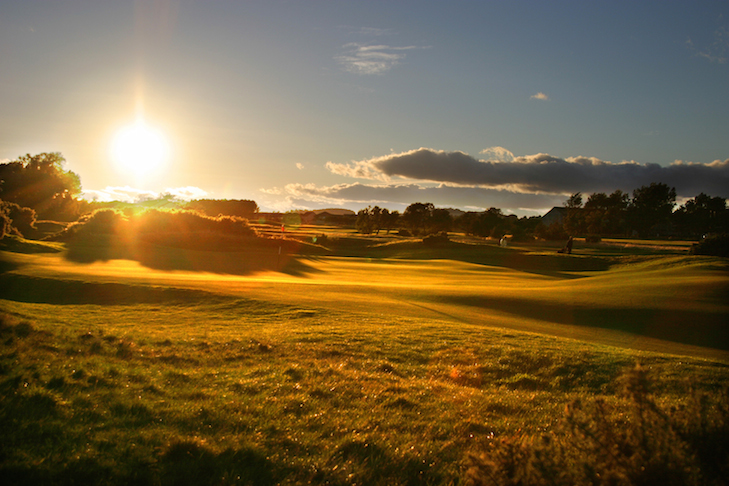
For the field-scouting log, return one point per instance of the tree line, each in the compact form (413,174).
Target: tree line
(650,211)
(37,187)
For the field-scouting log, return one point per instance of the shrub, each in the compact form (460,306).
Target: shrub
(5,226)
(436,240)
(714,245)
(593,239)
(596,444)
(554,231)
(99,222)
(18,220)
(160,226)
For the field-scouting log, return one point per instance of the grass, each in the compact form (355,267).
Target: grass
(380,369)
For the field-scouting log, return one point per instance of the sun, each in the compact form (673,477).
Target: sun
(140,149)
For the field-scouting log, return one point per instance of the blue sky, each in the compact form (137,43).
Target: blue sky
(348,104)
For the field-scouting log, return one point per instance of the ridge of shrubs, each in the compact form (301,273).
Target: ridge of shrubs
(155,225)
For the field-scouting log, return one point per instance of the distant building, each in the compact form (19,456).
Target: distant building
(555,215)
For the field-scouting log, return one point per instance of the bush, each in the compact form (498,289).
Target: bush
(159,226)
(593,239)
(436,240)
(596,444)
(553,232)
(16,220)
(714,245)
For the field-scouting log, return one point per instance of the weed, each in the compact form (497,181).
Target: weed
(598,443)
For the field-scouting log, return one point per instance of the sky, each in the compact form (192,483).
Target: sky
(322,104)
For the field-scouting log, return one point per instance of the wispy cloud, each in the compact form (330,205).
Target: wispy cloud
(357,170)
(299,166)
(717,51)
(360,58)
(131,194)
(542,173)
(539,96)
(370,31)
(186,193)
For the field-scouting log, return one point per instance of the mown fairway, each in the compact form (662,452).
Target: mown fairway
(368,362)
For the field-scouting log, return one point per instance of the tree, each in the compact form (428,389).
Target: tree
(605,215)
(440,221)
(39,182)
(651,208)
(243,208)
(364,221)
(701,215)
(574,201)
(574,220)
(390,220)
(417,217)
(480,224)
(372,220)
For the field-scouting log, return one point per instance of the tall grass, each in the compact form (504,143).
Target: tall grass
(392,368)
(599,443)
(234,391)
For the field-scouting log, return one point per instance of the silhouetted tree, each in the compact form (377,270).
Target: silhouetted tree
(364,221)
(417,217)
(606,215)
(651,208)
(480,224)
(574,221)
(701,215)
(390,219)
(440,221)
(574,201)
(243,208)
(41,183)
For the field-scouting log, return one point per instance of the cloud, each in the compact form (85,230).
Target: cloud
(132,195)
(373,31)
(357,170)
(717,51)
(399,196)
(543,173)
(497,153)
(187,193)
(539,96)
(361,58)
(299,166)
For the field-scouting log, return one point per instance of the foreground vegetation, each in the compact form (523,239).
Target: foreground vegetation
(336,369)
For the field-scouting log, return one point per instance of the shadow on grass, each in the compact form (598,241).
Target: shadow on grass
(245,258)
(183,463)
(15,244)
(693,327)
(553,265)
(21,288)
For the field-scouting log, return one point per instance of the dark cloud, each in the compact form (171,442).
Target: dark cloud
(399,196)
(543,173)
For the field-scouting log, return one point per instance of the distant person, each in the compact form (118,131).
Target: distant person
(567,247)
(502,242)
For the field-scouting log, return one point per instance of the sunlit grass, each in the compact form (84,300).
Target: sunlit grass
(384,369)
(310,392)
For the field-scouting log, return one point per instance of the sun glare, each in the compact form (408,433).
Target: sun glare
(140,149)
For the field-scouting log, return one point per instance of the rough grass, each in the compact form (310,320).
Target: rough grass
(293,396)
(367,370)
